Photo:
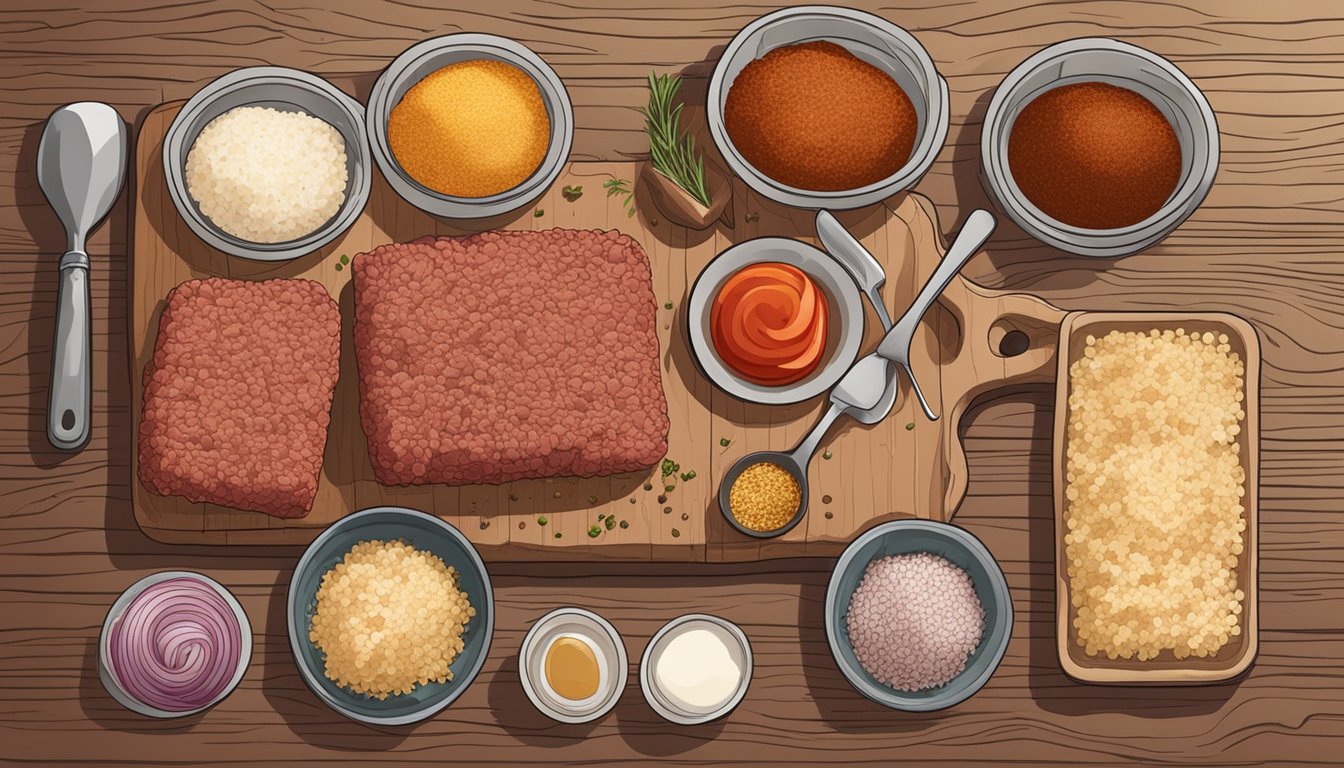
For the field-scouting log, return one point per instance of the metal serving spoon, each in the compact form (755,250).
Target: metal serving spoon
(859,390)
(895,346)
(81,164)
(867,272)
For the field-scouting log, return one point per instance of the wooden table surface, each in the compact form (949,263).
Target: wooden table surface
(1268,244)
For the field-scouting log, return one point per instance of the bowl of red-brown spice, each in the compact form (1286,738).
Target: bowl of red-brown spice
(1098,147)
(822,107)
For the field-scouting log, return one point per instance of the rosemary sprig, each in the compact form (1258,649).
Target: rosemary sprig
(671,149)
(616,187)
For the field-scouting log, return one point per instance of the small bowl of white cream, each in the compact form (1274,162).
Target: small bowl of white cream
(696,669)
(573,665)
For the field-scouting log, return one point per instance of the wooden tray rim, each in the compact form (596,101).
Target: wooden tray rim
(1124,671)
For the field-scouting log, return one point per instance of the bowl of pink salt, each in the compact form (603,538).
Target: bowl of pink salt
(918,615)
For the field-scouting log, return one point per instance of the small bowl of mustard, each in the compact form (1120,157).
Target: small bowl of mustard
(573,665)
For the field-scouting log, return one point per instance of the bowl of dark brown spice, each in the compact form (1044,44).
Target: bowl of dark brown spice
(822,107)
(1098,147)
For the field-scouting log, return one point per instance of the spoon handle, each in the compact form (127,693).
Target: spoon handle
(803,453)
(974,232)
(68,406)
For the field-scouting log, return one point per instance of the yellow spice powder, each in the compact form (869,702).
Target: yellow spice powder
(471,129)
(764,497)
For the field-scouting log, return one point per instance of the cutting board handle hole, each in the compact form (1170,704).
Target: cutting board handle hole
(1007,339)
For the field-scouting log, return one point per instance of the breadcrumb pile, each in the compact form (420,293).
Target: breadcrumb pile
(389,617)
(1154,486)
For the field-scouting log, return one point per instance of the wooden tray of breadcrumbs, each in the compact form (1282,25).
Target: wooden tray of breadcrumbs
(1236,656)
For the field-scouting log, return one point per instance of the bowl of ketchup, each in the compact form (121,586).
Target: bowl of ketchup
(774,321)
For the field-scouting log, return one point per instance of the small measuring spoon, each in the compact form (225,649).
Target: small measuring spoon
(860,389)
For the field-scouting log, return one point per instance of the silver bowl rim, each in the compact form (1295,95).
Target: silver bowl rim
(296,637)
(927,148)
(1106,243)
(356,192)
(648,685)
(831,274)
(118,607)
(621,664)
(447,206)
(890,697)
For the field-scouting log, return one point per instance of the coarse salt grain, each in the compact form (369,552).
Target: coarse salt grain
(914,621)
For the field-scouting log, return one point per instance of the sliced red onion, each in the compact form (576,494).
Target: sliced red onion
(177,645)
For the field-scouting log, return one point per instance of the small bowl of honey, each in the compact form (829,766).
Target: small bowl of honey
(573,665)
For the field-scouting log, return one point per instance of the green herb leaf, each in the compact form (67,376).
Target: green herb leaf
(572,193)
(541,520)
(610,522)
(537,214)
(594,532)
(557,534)
(910,426)
(672,150)
(676,534)
(338,267)
(345,259)
(826,455)
(725,442)
(667,305)
(625,524)
(592,498)
(670,467)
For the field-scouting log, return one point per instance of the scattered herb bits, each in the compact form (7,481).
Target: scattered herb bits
(648,486)
(542,520)
(345,259)
(557,534)
(725,442)
(592,498)
(826,499)
(537,214)
(667,305)
(572,193)
(829,514)
(625,524)
(513,497)
(594,531)
(909,426)
(667,510)
(522,524)
(827,455)
(670,468)
(610,522)
(669,488)
(676,534)
(686,476)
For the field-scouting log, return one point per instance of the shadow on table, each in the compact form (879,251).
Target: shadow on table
(299,707)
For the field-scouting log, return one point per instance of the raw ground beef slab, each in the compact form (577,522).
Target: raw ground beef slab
(238,394)
(508,355)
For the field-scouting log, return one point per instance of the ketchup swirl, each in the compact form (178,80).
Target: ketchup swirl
(768,323)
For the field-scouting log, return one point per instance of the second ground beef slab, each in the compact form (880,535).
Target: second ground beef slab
(508,355)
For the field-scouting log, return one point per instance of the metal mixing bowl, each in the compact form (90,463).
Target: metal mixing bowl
(870,38)
(1127,66)
(287,90)
(963,550)
(420,60)
(426,533)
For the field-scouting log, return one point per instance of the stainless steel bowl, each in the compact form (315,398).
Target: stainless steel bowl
(426,533)
(420,60)
(845,313)
(288,90)
(106,669)
(870,38)
(964,550)
(739,648)
(1121,64)
(612,661)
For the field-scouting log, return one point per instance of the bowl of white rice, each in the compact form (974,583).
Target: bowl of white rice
(918,615)
(268,163)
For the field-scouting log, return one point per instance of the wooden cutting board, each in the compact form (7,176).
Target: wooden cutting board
(905,466)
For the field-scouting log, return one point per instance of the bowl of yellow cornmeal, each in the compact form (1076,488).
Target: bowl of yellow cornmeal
(470,126)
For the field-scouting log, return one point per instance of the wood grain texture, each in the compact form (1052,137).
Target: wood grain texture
(1265,245)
